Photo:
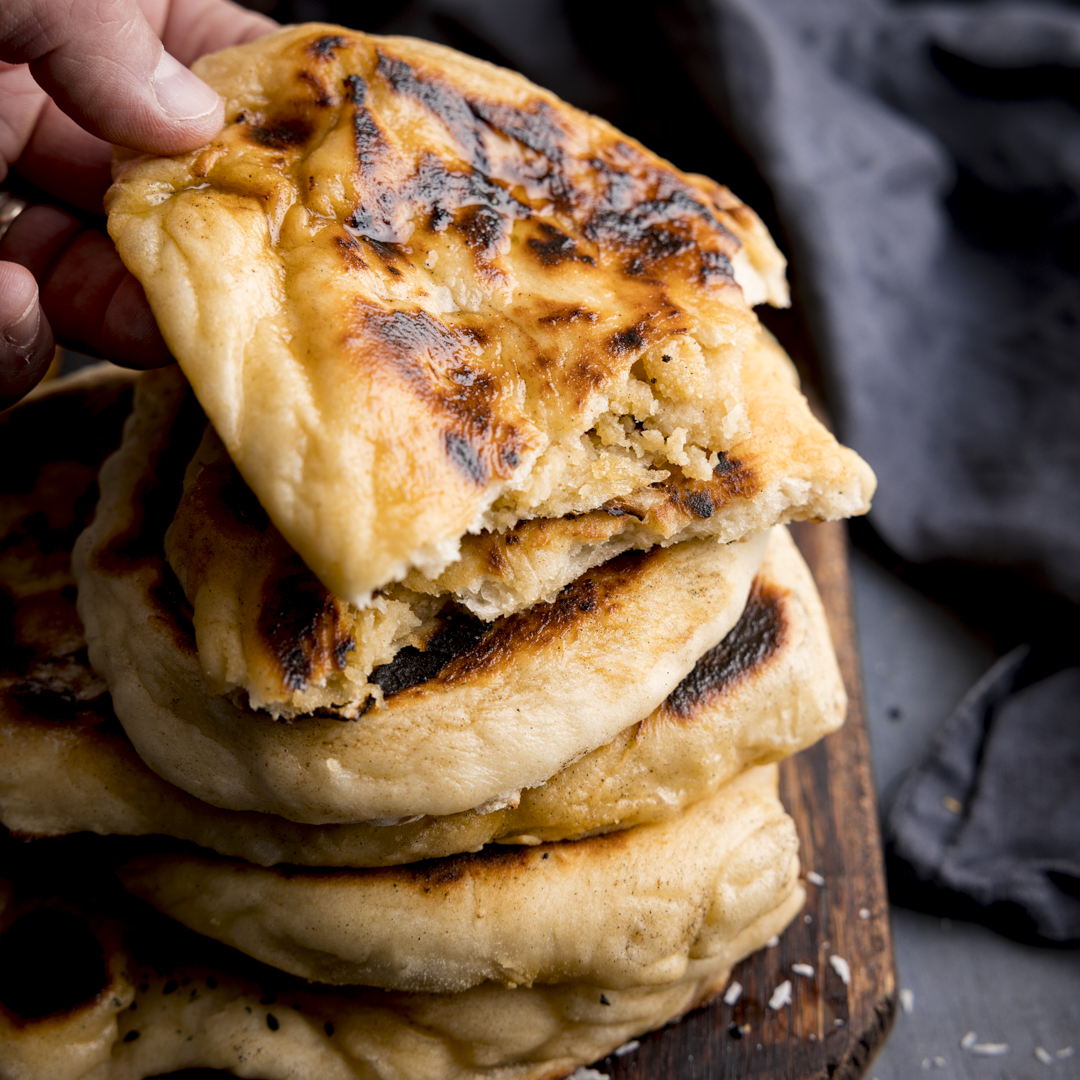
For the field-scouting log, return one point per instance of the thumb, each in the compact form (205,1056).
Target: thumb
(100,61)
(26,340)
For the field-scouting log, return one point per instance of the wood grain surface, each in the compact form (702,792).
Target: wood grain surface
(830,1029)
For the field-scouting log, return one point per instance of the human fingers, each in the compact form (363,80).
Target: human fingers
(192,28)
(92,302)
(64,162)
(26,341)
(102,63)
(57,156)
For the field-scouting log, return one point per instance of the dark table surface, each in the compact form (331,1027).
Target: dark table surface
(918,659)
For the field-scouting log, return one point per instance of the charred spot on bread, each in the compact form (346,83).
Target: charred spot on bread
(282,133)
(700,504)
(583,599)
(323,47)
(556,247)
(749,644)
(304,627)
(460,631)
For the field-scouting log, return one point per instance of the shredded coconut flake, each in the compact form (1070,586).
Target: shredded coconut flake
(627,1047)
(864,913)
(583,1073)
(907,1000)
(815,878)
(781,996)
(803,969)
(772,942)
(1065,1052)
(842,968)
(1044,1055)
(989,1049)
(733,993)
(969,1040)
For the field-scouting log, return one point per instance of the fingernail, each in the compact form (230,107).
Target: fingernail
(22,334)
(181,95)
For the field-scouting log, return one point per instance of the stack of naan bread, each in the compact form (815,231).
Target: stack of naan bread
(442,591)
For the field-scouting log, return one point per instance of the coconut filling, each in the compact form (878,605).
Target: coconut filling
(681,405)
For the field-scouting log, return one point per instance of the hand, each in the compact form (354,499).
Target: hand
(75,76)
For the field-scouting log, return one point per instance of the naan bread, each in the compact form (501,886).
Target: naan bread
(768,689)
(417,296)
(623,910)
(138,996)
(252,597)
(467,724)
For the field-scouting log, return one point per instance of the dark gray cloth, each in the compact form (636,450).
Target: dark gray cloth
(929,179)
(925,162)
(922,163)
(983,816)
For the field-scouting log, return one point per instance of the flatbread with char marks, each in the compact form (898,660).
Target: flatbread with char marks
(482,712)
(622,910)
(265,625)
(768,689)
(405,284)
(140,996)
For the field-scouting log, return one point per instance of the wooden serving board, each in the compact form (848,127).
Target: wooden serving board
(830,1029)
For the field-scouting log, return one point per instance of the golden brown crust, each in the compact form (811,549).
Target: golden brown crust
(160,999)
(489,718)
(400,275)
(266,625)
(768,689)
(623,910)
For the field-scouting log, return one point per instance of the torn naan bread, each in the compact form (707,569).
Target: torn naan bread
(266,626)
(486,710)
(419,296)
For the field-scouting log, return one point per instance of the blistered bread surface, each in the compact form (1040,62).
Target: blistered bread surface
(417,294)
